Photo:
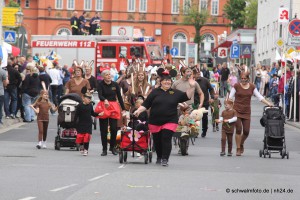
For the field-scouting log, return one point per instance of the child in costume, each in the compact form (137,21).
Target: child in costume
(228,119)
(84,122)
(41,107)
(215,105)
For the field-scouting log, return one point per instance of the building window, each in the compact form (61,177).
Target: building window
(131,6)
(87,4)
(214,7)
(186,6)
(27,3)
(71,4)
(99,5)
(203,5)
(179,42)
(19,2)
(59,4)
(143,5)
(64,31)
(175,7)
(208,41)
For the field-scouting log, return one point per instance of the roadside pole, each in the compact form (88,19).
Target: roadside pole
(1,31)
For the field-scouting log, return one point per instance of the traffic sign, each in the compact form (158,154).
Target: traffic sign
(235,51)
(290,50)
(246,51)
(279,43)
(222,52)
(10,36)
(174,51)
(294,27)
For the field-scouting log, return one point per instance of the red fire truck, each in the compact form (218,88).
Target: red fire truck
(101,49)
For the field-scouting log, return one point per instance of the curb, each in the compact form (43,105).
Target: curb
(9,122)
(294,124)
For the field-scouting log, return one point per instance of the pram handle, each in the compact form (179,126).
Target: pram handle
(273,107)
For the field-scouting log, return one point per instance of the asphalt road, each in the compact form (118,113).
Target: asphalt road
(28,173)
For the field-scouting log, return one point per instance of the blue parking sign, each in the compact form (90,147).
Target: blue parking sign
(235,51)
(10,36)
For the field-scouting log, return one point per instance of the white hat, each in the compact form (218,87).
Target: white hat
(153,70)
(148,68)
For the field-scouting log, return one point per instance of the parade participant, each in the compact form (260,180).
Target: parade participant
(92,80)
(77,83)
(228,119)
(243,91)
(183,84)
(215,105)
(41,107)
(75,23)
(163,119)
(84,122)
(109,92)
(206,89)
(141,85)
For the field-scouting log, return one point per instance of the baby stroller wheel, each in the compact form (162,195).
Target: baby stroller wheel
(283,153)
(125,156)
(77,147)
(287,155)
(150,157)
(270,155)
(183,146)
(57,146)
(260,153)
(121,156)
(146,158)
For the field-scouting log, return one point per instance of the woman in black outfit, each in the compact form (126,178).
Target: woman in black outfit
(109,91)
(163,118)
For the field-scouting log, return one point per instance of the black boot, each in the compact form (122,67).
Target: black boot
(104,153)
(203,134)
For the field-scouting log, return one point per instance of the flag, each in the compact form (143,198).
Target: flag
(5,50)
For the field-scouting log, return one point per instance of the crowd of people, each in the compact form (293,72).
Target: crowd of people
(81,26)
(31,87)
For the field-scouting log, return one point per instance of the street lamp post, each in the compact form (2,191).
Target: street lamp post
(19,19)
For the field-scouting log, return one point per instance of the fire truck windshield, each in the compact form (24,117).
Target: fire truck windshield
(155,52)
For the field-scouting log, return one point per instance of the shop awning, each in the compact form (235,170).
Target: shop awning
(225,44)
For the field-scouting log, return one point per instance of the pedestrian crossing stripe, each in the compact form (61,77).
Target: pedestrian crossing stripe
(246,51)
(9,38)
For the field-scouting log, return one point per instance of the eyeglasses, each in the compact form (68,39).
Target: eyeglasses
(244,79)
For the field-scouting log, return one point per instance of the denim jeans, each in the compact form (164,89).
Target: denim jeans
(1,106)
(10,101)
(223,88)
(27,101)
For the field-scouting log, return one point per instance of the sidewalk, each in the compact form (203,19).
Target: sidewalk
(294,124)
(9,122)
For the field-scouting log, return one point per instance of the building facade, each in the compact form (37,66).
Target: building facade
(159,19)
(269,30)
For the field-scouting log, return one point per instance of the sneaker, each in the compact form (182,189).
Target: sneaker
(7,117)
(179,151)
(81,149)
(158,161)
(85,152)
(229,154)
(222,154)
(38,146)
(12,116)
(164,163)
(217,128)
(44,146)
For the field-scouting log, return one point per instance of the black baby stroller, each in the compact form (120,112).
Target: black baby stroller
(66,132)
(274,138)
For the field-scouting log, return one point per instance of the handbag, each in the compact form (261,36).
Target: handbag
(112,111)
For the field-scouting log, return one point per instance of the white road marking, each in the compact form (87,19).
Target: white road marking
(62,188)
(122,166)
(28,198)
(98,177)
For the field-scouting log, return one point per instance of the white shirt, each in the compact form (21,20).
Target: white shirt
(55,76)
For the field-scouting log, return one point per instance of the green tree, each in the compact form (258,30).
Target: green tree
(13,3)
(250,13)
(195,17)
(234,10)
